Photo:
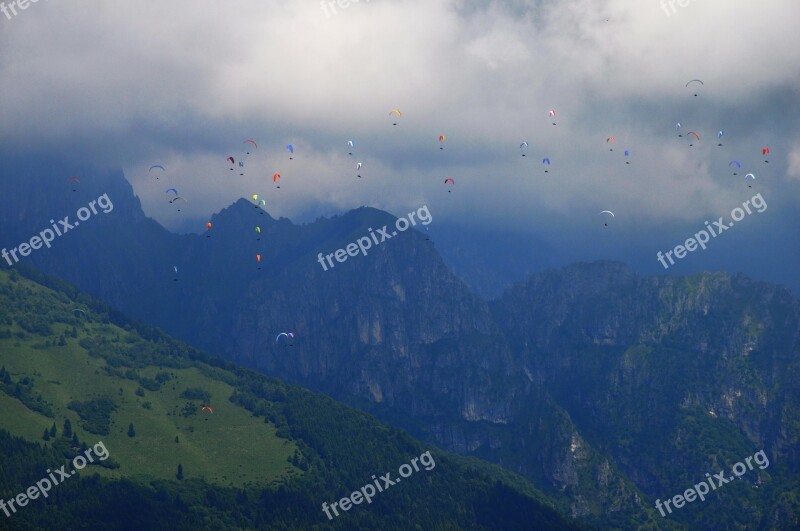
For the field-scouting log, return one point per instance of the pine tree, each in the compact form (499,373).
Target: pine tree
(75,441)
(61,341)
(74,332)
(53,430)
(177,440)
(179,475)
(46,435)
(131,431)
(67,431)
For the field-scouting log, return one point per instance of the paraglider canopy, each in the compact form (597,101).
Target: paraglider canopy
(694,81)
(607,212)
(286,334)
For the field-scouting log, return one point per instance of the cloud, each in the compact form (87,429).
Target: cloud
(182,83)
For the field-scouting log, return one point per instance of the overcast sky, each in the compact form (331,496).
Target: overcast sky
(184,83)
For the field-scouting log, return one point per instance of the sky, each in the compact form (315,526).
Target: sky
(183,83)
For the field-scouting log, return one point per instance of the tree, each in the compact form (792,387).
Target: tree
(131,431)
(67,431)
(61,341)
(139,391)
(46,435)
(177,440)
(179,475)
(53,430)
(75,441)
(74,332)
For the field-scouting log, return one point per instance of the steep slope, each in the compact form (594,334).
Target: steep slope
(671,378)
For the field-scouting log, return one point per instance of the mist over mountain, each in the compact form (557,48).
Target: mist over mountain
(605,388)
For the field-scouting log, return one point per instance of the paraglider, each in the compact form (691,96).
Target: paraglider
(159,166)
(451,181)
(765,152)
(678,129)
(397,113)
(74,178)
(547,162)
(523,145)
(720,134)
(351,145)
(258,259)
(552,114)
(695,135)
(442,138)
(275,178)
(181,198)
(752,176)
(695,81)
(176,273)
(607,212)
(207,408)
(231,160)
(627,154)
(609,140)
(358,167)
(171,190)
(253,142)
(78,310)
(290,149)
(735,163)
(208,228)
(258,230)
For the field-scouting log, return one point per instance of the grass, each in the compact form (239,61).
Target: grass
(230,447)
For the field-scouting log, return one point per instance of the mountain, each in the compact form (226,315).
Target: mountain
(78,378)
(606,389)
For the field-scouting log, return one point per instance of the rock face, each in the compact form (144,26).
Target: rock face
(605,388)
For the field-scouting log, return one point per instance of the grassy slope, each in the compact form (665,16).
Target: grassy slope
(229,447)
